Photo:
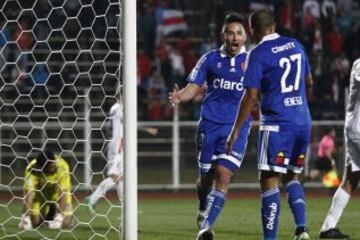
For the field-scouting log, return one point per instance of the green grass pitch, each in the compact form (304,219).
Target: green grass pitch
(174,219)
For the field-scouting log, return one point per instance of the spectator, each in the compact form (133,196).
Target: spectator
(155,110)
(287,18)
(207,45)
(325,161)
(311,13)
(147,32)
(25,42)
(344,22)
(351,45)
(335,41)
(5,37)
(328,9)
(190,60)
(156,87)
(318,39)
(40,74)
(177,64)
(144,66)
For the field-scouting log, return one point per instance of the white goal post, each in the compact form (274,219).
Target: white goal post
(130,83)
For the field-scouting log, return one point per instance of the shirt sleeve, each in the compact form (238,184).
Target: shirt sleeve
(328,143)
(253,72)
(65,184)
(116,118)
(30,179)
(30,182)
(355,71)
(64,177)
(199,73)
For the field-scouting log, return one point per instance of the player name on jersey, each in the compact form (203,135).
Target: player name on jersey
(293,101)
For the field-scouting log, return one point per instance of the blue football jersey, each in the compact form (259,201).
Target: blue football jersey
(224,78)
(278,67)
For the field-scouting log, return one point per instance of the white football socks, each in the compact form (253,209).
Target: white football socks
(120,191)
(101,190)
(340,200)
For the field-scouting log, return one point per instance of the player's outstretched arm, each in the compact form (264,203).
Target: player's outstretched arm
(249,100)
(150,130)
(187,93)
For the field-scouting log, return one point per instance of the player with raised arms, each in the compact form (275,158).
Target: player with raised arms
(222,70)
(278,69)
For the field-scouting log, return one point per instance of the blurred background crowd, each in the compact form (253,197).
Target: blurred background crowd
(59,64)
(173,34)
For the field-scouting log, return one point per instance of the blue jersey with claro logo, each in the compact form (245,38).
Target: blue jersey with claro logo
(224,78)
(278,67)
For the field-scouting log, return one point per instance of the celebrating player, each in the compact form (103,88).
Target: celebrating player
(277,68)
(47,195)
(222,70)
(351,175)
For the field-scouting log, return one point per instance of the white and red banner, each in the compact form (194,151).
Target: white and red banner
(173,21)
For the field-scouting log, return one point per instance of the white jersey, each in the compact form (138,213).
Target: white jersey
(352,118)
(116,128)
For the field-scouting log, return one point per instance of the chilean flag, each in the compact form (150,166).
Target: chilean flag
(173,21)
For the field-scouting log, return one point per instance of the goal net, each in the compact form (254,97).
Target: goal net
(59,75)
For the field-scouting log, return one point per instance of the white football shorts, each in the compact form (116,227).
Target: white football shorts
(352,153)
(115,164)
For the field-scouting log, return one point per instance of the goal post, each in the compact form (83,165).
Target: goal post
(130,128)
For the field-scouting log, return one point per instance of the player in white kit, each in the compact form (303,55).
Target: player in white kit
(114,155)
(352,162)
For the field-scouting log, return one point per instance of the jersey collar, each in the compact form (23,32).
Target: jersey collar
(270,37)
(224,54)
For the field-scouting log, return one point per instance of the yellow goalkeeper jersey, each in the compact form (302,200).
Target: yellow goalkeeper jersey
(49,184)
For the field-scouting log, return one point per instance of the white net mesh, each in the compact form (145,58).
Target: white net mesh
(59,74)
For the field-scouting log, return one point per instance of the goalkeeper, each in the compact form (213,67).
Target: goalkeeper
(47,193)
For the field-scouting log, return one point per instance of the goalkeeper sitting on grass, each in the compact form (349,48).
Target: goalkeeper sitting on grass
(47,193)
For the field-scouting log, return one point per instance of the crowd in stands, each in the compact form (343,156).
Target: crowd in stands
(50,42)
(328,29)
(172,36)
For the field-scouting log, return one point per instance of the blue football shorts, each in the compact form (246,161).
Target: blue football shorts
(211,138)
(281,149)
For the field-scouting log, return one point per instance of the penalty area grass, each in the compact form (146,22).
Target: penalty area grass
(174,219)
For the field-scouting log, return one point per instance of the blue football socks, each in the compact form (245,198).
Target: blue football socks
(215,204)
(202,196)
(270,212)
(296,200)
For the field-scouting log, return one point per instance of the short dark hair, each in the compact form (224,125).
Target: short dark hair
(233,17)
(43,156)
(261,20)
